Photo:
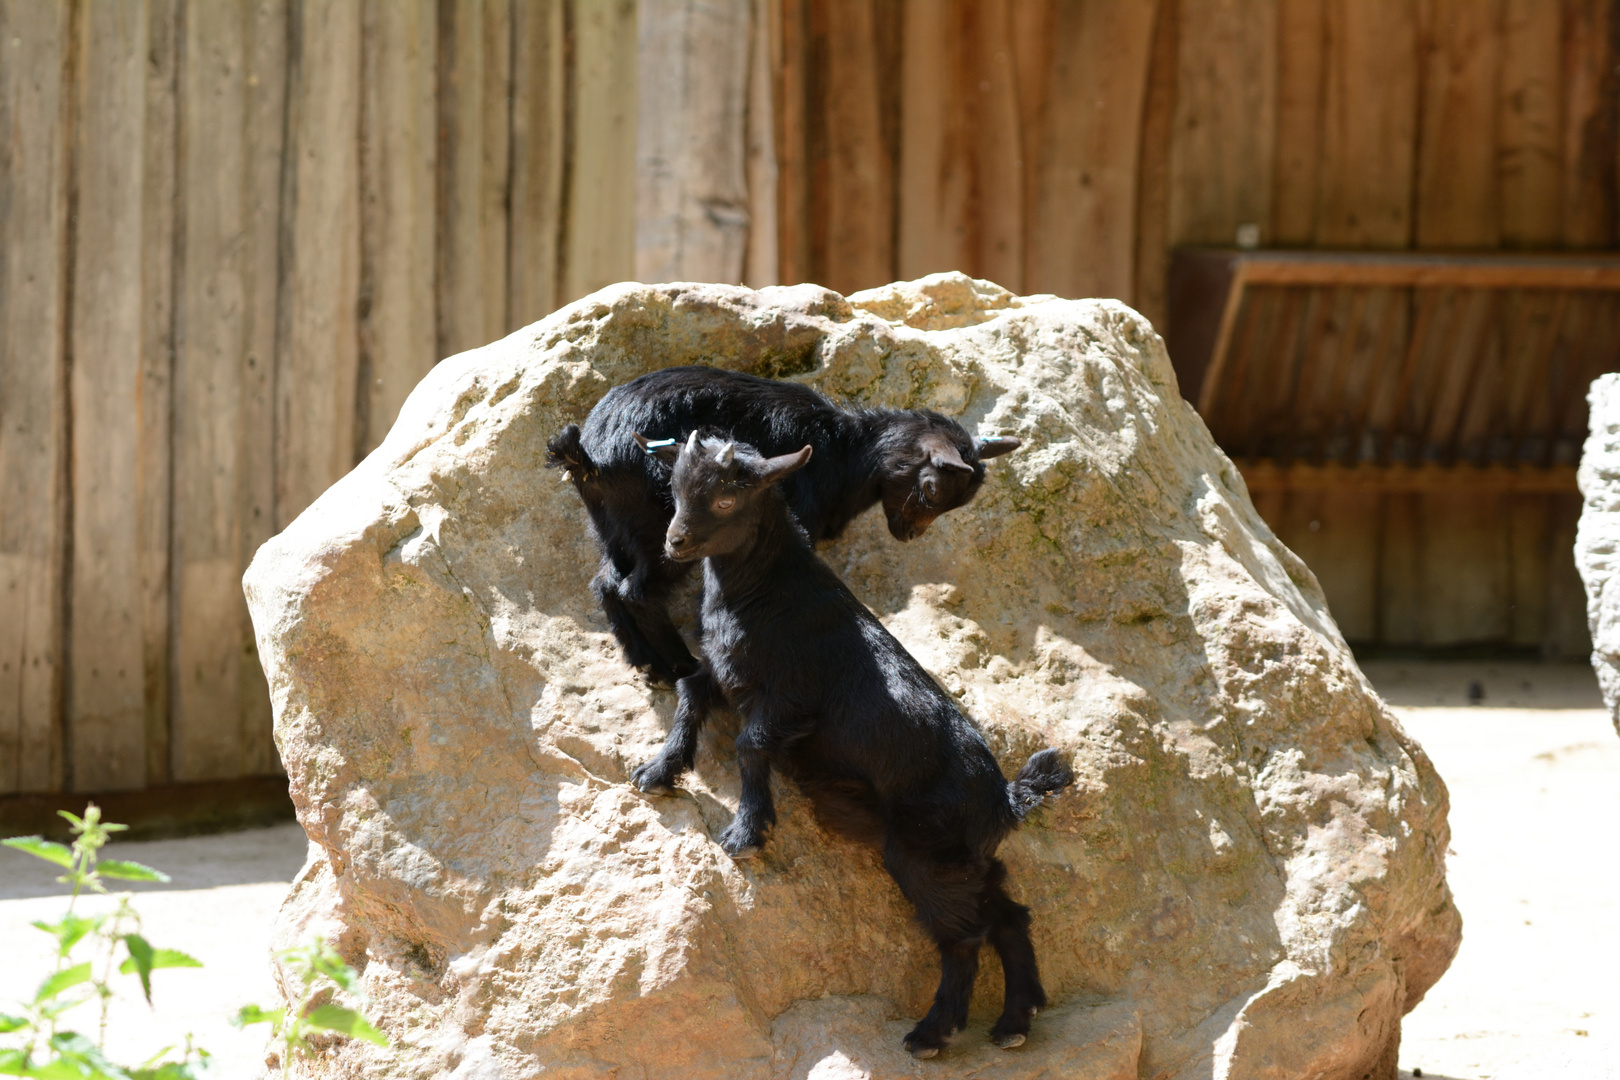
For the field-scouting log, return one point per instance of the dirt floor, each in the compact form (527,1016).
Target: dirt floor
(1534,773)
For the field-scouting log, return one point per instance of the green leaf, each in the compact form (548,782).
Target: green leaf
(165,958)
(347,1021)
(10,1023)
(140,958)
(129,871)
(252,1014)
(72,819)
(13,1063)
(41,848)
(330,964)
(61,981)
(70,931)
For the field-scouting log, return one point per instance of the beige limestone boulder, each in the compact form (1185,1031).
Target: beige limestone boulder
(1597,539)
(1247,880)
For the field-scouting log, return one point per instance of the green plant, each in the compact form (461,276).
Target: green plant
(45,1050)
(42,1047)
(316,965)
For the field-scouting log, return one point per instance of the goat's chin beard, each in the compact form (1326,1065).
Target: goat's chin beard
(902,530)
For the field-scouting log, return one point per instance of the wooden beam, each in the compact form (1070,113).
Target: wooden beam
(1264,476)
(1425,270)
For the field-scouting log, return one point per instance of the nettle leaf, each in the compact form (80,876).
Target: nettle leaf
(77,1059)
(61,981)
(347,1021)
(41,848)
(143,960)
(70,931)
(252,1014)
(13,1063)
(331,965)
(129,871)
(9,1023)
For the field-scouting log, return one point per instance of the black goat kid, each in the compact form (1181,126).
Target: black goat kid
(829,697)
(919,464)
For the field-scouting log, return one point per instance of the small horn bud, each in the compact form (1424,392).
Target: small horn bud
(691,444)
(724,455)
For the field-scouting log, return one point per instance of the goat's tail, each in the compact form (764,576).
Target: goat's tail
(1043,774)
(565,451)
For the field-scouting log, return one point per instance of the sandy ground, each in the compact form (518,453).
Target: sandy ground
(1534,773)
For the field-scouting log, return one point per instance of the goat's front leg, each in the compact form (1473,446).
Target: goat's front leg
(756,812)
(698,695)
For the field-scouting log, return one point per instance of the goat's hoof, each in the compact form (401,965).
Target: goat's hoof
(741,851)
(1008,1042)
(923,1053)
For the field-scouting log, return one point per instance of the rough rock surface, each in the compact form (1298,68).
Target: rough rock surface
(1597,539)
(1247,881)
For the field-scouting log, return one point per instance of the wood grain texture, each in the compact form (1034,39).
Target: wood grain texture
(1225,120)
(318,344)
(475,77)
(691,211)
(962,153)
(791,111)
(1591,113)
(539,130)
(220,426)
(1301,81)
(1151,286)
(33,247)
(600,242)
(160,226)
(106,696)
(1082,225)
(762,261)
(398,334)
(265,110)
(1369,124)
(1457,191)
(1528,150)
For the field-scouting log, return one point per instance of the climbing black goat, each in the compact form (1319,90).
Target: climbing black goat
(919,464)
(829,697)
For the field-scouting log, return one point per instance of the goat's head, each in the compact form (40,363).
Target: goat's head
(930,466)
(720,489)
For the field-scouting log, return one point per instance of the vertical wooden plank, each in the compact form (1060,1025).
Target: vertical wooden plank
(792,84)
(1330,531)
(1369,127)
(1456,169)
(265,112)
(852,163)
(1400,570)
(1225,121)
(1301,66)
(33,243)
(1591,55)
(317,348)
(1530,555)
(1466,568)
(474,76)
(600,243)
(1565,631)
(762,261)
(155,400)
(106,693)
(691,216)
(1528,124)
(539,105)
(398,138)
(1153,168)
(1082,239)
(232,120)
(962,149)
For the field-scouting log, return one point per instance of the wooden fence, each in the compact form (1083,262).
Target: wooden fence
(235,233)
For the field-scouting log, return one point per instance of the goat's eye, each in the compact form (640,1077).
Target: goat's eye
(725,502)
(930,489)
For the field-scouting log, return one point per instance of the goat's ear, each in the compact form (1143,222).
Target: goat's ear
(948,457)
(779,468)
(665,450)
(989,446)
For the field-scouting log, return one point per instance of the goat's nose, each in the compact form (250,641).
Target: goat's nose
(676,541)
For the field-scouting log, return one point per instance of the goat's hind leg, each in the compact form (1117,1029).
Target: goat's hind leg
(946,897)
(608,586)
(698,695)
(1009,935)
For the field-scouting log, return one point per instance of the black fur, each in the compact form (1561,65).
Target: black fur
(919,464)
(828,696)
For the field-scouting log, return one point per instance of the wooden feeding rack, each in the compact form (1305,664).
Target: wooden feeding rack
(1399,371)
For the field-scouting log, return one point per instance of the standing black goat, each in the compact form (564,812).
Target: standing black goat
(828,696)
(919,464)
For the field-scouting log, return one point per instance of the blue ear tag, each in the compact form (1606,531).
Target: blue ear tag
(655,445)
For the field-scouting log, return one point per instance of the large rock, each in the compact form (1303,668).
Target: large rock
(1597,539)
(1247,880)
